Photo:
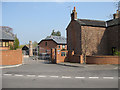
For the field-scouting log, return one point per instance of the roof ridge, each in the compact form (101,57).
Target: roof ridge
(92,20)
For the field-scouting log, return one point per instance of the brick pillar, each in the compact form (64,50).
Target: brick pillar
(53,55)
(30,49)
(56,55)
(81,59)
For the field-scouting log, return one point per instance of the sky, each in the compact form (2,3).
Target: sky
(36,20)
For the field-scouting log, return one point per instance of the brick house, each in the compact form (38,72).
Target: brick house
(94,37)
(26,48)
(45,45)
(6,38)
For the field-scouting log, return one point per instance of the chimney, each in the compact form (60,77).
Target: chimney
(74,14)
(116,15)
(30,49)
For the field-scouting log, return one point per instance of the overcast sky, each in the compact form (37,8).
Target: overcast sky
(36,20)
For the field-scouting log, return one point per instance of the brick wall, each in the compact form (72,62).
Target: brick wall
(56,56)
(43,47)
(95,37)
(60,58)
(113,34)
(50,44)
(94,40)
(103,60)
(73,37)
(11,57)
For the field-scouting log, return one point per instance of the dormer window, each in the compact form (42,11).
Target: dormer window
(63,46)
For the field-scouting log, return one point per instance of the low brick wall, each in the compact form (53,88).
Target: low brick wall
(11,57)
(76,59)
(103,60)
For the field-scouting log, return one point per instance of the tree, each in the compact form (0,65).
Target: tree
(86,41)
(16,43)
(53,33)
(35,44)
(21,46)
(58,33)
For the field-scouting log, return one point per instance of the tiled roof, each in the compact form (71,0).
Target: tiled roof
(57,39)
(6,36)
(113,22)
(87,22)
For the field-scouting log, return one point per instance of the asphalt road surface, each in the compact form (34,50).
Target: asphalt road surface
(40,74)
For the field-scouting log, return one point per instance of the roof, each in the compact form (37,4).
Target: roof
(113,22)
(27,45)
(57,39)
(6,36)
(87,22)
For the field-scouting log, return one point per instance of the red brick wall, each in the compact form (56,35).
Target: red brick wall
(76,59)
(102,60)
(94,40)
(113,34)
(11,57)
(57,58)
(60,58)
(74,37)
(50,44)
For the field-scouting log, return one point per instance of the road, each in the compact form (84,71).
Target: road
(39,74)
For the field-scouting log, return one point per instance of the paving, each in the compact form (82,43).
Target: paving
(34,71)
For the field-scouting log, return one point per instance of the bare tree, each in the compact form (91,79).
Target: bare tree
(86,40)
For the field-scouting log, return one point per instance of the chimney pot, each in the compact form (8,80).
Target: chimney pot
(74,14)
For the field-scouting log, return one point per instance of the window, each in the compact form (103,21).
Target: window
(3,44)
(63,46)
(45,43)
(59,46)
(0,43)
(113,50)
(7,44)
(63,53)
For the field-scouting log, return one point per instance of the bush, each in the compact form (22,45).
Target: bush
(117,53)
(15,44)
(11,47)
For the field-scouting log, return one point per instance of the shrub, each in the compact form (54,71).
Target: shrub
(117,53)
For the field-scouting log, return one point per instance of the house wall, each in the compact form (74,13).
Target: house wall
(50,44)
(113,33)
(61,47)
(81,38)
(7,48)
(74,37)
(11,57)
(94,40)
(43,47)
